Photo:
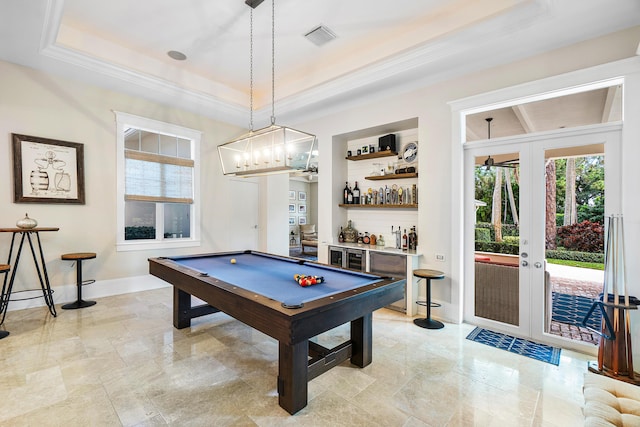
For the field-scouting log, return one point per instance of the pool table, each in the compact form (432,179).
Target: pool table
(259,290)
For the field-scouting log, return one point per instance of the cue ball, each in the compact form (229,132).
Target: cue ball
(233,260)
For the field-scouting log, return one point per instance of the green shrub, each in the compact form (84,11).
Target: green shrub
(507,230)
(483,235)
(138,233)
(498,248)
(511,240)
(575,256)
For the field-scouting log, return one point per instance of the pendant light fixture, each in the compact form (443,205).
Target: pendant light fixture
(272,149)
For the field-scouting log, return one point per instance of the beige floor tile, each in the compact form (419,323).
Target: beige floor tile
(121,363)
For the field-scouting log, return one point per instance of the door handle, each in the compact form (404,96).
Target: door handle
(538,265)
(525,263)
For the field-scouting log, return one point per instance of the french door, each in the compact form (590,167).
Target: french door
(512,292)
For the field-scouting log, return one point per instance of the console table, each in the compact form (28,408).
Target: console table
(38,259)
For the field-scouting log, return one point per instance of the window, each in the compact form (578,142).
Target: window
(158,184)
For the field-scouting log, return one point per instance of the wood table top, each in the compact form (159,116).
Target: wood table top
(20,230)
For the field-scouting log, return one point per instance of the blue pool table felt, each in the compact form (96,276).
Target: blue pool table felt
(273,277)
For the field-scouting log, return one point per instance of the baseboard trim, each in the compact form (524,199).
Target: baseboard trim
(99,289)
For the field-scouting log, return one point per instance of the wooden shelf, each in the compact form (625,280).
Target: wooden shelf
(354,206)
(386,153)
(392,176)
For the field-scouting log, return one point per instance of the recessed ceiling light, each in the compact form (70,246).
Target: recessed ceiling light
(178,56)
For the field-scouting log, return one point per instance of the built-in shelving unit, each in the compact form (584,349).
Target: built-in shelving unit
(392,176)
(387,206)
(379,154)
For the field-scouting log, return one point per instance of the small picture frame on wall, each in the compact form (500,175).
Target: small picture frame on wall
(302,220)
(47,170)
(292,195)
(292,208)
(292,220)
(302,196)
(302,209)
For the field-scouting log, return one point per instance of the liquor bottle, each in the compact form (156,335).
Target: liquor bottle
(345,193)
(341,236)
(404,240)
(356,194)
(413,238)
(349,196)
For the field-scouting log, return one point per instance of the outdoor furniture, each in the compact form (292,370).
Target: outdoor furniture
(497,291)
(308,236)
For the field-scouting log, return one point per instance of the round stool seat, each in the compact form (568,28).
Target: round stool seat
(424,273)
(78,256)
(428,275)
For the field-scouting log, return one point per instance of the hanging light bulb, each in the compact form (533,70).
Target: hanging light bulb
(297,145)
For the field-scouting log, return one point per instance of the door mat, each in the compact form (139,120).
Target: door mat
(571,309)
(519,346)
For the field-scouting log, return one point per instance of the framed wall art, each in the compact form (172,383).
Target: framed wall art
(302,209)
(302,220)
(302,196)
(47,170)
(292,195)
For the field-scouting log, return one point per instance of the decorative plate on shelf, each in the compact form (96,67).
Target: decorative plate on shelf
(410,152)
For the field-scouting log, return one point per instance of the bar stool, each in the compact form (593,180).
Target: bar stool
(428,275)
(79,257)
(4,268)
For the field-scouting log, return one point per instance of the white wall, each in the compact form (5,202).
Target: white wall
(36,104)
(436,220)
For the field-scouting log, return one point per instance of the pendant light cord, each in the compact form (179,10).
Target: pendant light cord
(273,62)
(251,69)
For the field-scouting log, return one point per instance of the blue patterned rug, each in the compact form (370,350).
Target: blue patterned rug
(571,309)
(519,346)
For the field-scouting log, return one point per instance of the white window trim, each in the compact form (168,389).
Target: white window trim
(123,121)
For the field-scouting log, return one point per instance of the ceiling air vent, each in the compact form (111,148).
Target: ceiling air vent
(320,35)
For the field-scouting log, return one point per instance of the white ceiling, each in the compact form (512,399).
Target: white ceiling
(380,44)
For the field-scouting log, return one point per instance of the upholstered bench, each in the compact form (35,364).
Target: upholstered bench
(610,402)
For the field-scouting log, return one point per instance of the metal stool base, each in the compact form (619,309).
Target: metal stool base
(3,334)
(428,323)
(78,304)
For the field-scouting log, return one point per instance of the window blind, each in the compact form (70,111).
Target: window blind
(156,178)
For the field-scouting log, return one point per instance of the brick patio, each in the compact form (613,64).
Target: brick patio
(581,288)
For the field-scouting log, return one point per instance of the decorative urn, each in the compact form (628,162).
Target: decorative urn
(26,222)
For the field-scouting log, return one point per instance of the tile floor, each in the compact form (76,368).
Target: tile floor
(121,362)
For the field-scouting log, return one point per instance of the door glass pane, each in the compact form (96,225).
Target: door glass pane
(574,239)
(590,107)
(140,220)
(497,233)
(177,223)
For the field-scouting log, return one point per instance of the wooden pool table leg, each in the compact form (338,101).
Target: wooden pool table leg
(181,307)
(361,338)
(293,362)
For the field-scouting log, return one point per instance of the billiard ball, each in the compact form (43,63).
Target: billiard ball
(233,260)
